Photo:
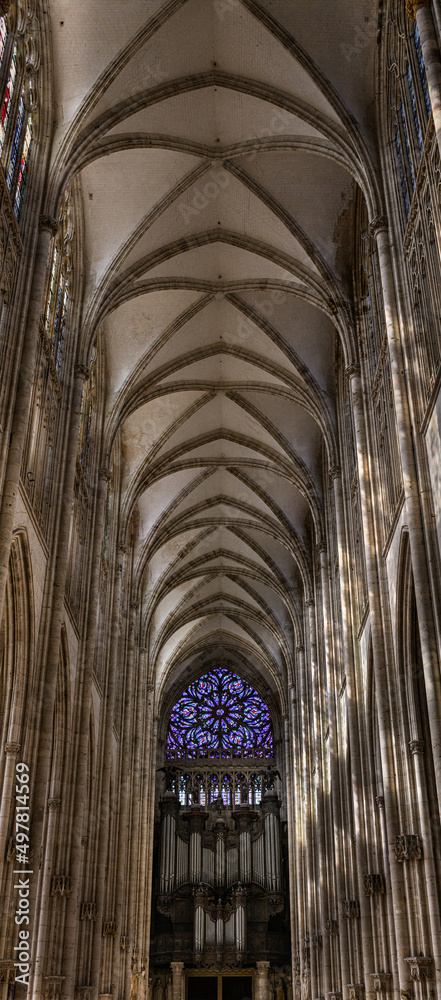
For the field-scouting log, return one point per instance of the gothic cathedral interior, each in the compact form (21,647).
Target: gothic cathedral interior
(220,499)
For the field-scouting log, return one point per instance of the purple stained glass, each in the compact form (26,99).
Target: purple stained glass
(220,715)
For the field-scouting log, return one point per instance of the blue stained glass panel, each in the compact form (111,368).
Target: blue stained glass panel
(16,143)
(414,110)
(220,715)
(3,34)
(399,153)
(7,101)
(406,142)
(422,69)
(23,169)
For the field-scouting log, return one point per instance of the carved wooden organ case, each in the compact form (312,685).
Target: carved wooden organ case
(220,896)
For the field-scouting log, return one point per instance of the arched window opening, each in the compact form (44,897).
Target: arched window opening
(17,103)
(58,285)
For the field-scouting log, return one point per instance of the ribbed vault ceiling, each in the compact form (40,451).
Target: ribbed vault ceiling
(218,144)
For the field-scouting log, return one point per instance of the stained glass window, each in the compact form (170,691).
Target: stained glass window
(16,143)
(414,110)
(422,69)
(403,180)
(406,143)
(220,715)
(3,33)
(7,100)
(23,169)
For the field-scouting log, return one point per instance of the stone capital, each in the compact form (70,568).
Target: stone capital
(47,223)
(105,474)
(54,803)
(12,749)
(417,746)
(335,472)
(420,967)
(378,225)
(82,371)
(413,6)
(381,981)
(352,371)
(262,968)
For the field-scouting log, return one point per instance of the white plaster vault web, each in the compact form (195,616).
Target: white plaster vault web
(217,151)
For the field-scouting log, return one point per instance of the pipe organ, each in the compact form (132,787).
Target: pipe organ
(220,879)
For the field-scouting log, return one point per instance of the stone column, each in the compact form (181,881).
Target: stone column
(298,798)
(380,665)
(320,683)
(52,617)
(417,749)
(355,737)
(121,963)
(420,10)
(309,964)
(178,980)
(261,984)
(429,654)
(47,229)
(81,723)
(12,751)
(107,737)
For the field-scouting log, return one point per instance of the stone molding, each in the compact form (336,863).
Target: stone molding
(378,225)
(82,371)
(352,371)
(12,749)
(109,928)
(373,883)
(381,982)
(7,971)
(47,223)
(420,967)
(52,986)
(417,746)
(408,847)
(356,991)
(61,885)
(331,926)
(350,908)
(88,911)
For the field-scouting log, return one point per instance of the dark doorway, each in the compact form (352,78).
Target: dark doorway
(202,988)
(237,988)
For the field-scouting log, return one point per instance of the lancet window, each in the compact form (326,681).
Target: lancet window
(58,285)
(414,192)
(18,65)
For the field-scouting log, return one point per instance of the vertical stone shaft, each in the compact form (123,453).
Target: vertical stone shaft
(318,704)
(411,492)
(432,61)
(354,733)
(381,678)
(308,831)
(104,816)
(81,724)
(26,377)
